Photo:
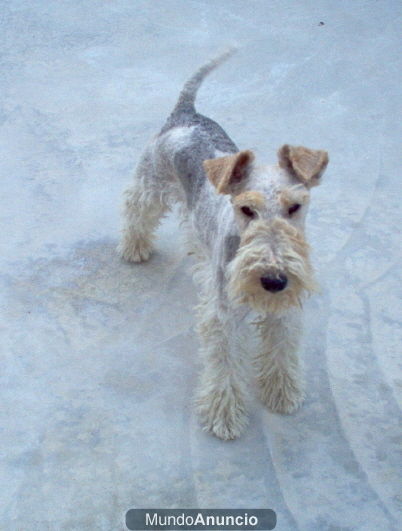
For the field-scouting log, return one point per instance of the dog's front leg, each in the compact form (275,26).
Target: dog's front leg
(221,395)
(279,375)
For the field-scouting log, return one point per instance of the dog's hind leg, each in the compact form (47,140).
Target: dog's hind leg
(144,206)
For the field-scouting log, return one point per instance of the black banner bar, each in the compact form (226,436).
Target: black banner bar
(200,519)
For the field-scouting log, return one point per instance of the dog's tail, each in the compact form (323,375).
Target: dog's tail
(188,94)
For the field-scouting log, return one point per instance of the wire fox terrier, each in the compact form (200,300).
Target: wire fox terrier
(247,222)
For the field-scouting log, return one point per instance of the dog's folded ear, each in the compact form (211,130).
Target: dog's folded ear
(227,173)
(307,165)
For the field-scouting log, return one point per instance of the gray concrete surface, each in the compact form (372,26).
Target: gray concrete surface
(98,358)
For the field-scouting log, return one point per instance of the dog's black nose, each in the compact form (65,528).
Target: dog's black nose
(274,284)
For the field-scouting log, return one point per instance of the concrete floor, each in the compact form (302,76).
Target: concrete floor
(99,357)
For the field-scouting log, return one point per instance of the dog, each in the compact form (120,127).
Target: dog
(247,223)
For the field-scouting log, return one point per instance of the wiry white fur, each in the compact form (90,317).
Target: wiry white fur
(146,201)
(221,396)
(271,243)
(274,247)
(278,371)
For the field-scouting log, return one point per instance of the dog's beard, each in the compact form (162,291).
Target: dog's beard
(275,248)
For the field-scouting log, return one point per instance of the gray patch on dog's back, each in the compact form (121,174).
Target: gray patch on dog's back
(219,139)
(188,163)
(188,159)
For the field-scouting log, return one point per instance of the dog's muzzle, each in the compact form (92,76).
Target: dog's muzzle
(275,283)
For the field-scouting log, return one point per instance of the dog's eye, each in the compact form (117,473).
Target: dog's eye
(247,211)
(294,208)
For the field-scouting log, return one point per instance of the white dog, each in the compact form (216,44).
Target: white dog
(248,222)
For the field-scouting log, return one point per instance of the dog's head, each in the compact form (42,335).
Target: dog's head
(271,268)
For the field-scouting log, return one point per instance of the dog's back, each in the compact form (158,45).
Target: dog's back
(204,138)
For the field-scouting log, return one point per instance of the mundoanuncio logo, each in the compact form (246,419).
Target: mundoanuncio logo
(200,519)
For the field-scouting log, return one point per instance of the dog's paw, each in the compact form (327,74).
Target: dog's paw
(227,430)
(135,249)
(281,394)
(222,413)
